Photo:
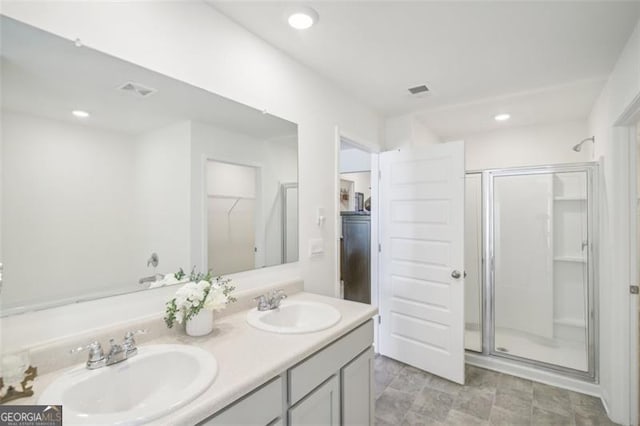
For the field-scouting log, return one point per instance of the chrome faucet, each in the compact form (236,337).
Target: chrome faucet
(117,352)
(270,301)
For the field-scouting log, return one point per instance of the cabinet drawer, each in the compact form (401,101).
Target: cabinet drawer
(261,407)
(310,373)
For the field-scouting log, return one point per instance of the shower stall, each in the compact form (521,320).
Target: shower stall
(530,249)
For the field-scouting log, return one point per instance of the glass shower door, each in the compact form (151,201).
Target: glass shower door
(541,252)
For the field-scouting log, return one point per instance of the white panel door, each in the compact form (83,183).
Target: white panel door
(422,259)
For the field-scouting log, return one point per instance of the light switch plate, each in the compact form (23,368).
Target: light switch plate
(316,247)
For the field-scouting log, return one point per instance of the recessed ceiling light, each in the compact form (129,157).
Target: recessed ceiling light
(502,117)
(80,114)
(303,18)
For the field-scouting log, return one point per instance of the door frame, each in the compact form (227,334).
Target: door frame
(625,131)
(371,148)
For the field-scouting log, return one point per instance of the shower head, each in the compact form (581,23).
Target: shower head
(578,147)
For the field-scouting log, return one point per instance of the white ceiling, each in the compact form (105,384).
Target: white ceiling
(47,76)
(558,104)
(464,51)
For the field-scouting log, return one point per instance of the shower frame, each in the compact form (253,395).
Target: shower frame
(488,261)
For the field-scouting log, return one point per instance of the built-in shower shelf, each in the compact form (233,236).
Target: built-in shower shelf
(570,259)
(564,198)
(573,322)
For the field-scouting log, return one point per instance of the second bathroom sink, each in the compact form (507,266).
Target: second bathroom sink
(295,317)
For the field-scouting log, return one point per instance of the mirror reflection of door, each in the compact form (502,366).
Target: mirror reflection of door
(231,217)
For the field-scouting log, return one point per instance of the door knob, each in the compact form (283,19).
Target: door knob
(456,274)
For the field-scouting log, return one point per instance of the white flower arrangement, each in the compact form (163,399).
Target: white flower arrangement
(201,292)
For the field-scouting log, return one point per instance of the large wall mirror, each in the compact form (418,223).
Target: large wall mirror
(114,176)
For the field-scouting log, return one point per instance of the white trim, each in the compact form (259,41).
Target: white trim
(375,240)
(631,113)
(363,145)
(631,119)
(633,274)
(606,406)
(336,211)
(531,373)
(624,131)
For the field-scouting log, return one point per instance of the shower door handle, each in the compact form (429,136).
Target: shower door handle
(456,274)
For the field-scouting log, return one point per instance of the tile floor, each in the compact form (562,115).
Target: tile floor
(408,396)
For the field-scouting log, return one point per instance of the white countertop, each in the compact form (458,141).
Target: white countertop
(247,357)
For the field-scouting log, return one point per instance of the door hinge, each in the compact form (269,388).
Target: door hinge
(379,248)
(634,289)
(379,319)
(379,175)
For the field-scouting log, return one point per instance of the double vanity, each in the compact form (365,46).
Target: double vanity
(309,361)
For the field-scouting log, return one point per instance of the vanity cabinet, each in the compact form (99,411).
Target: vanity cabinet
(333,386)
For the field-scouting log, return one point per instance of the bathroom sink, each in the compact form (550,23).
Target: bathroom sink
(160,379)
(295,317)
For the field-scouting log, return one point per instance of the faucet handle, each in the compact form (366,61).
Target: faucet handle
(94,348)
(278,294)
(263,303)
(96,354)
(129,343)
(130,334)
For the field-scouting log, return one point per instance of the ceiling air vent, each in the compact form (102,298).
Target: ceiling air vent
(137,89)
(418,89)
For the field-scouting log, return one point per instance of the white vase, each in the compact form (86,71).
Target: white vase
(200,324)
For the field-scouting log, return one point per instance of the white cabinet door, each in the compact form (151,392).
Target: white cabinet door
(422,264)
(357,391)
(320,407)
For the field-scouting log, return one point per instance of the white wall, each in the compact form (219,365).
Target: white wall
(361,181)
(230,180)
(231,216)
(405,130)
(162,199)
(612,149)
(527,146)
(354,160)
(66,187)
